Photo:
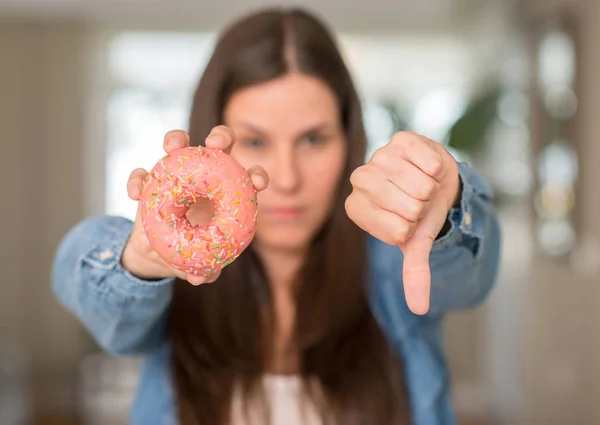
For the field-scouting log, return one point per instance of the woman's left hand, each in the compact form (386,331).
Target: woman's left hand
(402,196)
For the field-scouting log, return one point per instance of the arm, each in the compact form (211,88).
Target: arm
(124,314)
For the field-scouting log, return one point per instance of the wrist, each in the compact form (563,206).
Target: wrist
(456,203)
(136,264)
(129,259)
(458,195)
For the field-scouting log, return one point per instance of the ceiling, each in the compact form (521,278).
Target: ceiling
(370,15)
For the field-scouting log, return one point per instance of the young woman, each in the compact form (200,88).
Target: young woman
(328,317)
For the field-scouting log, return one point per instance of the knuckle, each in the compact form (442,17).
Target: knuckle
(356,176)
(399,232)
(436,165)
(349,204)
(379,157)
(427,188)
(415,210)
(398,138)
(404,138)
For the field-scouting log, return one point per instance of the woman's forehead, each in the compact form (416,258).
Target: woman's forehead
(295,102)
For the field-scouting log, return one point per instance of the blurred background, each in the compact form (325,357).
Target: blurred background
(88,88)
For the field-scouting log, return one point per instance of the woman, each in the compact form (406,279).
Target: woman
(328,316)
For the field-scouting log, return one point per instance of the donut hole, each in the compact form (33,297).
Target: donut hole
(201,212)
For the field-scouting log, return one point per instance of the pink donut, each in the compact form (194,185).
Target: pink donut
(174,184)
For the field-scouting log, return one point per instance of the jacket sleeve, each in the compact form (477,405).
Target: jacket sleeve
(464,262)
(124,314)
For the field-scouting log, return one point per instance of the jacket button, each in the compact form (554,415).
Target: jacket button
(467,219)
(105,255)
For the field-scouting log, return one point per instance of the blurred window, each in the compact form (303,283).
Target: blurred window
(417,81)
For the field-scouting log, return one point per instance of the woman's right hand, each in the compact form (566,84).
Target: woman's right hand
(138,256)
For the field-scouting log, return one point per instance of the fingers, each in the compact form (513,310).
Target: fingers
(259,177)
(199,280)
(135,183)
(392,199)
(193,279)
(174,271)
(400,197)
(405,175)
(175,139)
(372,182)
(414,239)
(424,153)
(169,270)
(221,137)
(384,225)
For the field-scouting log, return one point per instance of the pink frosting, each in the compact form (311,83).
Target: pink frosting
(174,184)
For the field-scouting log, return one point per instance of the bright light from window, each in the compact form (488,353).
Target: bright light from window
(152,77)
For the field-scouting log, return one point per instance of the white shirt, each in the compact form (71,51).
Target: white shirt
(287,404)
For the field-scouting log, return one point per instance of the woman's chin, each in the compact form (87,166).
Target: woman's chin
(289,240)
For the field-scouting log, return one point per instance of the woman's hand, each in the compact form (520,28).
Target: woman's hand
(402,196)
(138,256)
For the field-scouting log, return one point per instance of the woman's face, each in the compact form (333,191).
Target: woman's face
(291,127)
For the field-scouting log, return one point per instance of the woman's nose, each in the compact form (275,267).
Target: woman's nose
(285,174)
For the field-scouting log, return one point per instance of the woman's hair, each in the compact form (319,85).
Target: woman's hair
(221,333)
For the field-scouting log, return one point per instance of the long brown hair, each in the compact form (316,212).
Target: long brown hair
(219,337)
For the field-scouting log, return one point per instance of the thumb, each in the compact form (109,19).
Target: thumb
(416,273)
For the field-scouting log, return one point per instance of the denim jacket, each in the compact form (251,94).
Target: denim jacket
(127,315)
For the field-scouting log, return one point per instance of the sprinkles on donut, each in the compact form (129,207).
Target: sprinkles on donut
(174,184)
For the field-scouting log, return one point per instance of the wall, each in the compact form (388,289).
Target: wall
(41,83)
(561,349)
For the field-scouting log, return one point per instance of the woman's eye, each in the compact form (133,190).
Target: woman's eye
(313,139)
(254,143)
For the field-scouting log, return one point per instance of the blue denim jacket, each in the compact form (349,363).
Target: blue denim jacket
(126,315)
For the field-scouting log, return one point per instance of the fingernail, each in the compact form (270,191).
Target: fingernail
(172,141)
(216,138)
(256,179)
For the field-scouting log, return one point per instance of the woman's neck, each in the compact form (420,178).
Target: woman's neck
(282,268)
